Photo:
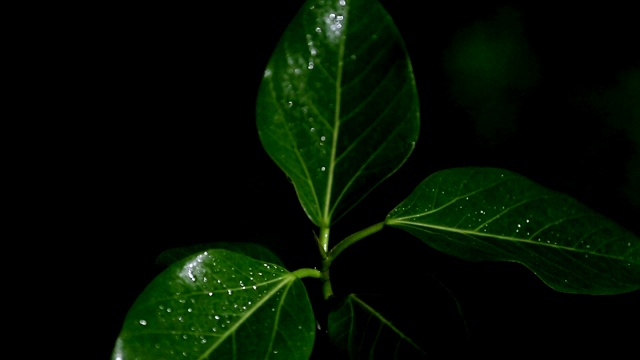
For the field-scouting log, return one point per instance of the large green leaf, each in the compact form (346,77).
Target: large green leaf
(253,250)
(338,108)
(494,214)
(219,304)
(364,333)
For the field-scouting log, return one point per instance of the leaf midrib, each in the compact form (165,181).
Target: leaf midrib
(326,216)
(383,321)
(242,319)
(506,238)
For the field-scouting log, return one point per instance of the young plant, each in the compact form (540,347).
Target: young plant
(338,112)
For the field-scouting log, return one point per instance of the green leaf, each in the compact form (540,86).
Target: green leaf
(219,304)
(338,108)
(256,251)
(494,214)
(365,333)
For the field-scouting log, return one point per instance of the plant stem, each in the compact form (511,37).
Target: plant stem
(304,273)
(352,239)
(323,246)
(323,241)
(327,290)
(328,258)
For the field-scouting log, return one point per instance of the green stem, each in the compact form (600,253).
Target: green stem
(352,239)
(339,248)
(323,246)
(304,273)
(327,290)
(323,241)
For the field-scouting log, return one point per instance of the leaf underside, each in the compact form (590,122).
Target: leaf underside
(364,333)
(338,108)
(494,214)
(219,304)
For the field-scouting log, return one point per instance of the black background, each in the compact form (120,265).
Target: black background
(158,149)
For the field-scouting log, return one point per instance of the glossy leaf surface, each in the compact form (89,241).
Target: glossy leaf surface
(252,250)
(493,214)
(219,304)
(365,333)
(338,107)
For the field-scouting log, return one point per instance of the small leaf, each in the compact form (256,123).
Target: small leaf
(219,304)
(366,334)
(494,214)
(338,108)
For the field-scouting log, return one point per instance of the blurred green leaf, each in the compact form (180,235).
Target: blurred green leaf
(364,333)
(494,214)
(338,108)
(219,304)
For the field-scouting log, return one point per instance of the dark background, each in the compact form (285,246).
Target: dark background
(159,150)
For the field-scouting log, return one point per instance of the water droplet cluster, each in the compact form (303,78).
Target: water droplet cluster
(211,297)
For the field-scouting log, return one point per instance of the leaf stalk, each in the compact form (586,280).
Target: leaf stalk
(338,249)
